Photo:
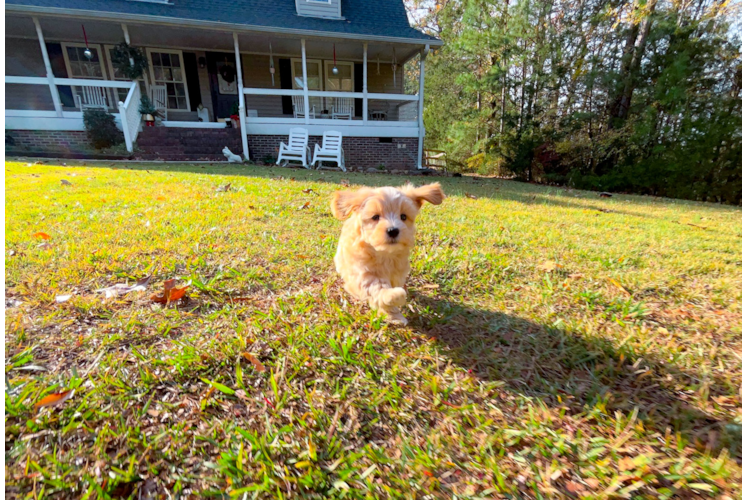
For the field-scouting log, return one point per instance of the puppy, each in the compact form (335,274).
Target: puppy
(231,157)
(375,243)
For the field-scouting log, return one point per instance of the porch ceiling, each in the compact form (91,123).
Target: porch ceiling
(150,35)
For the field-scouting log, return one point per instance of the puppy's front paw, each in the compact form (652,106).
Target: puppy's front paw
(394,297)
(396,318)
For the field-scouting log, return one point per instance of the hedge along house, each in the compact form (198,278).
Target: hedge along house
(278,64)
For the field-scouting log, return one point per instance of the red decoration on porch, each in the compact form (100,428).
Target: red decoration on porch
(87,52)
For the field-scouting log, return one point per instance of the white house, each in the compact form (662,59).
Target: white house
(320,64)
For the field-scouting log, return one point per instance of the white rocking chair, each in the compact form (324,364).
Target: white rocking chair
(298,107)
(342,107)
(158,98)
(297,148)
(331,150)
(93,98)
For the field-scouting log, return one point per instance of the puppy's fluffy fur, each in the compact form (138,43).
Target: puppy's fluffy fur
(378,234)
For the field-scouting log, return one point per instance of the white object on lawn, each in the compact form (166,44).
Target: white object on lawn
(231,157)
(331,150)
(297,148)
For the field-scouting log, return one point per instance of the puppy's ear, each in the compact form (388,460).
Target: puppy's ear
(345,202)
(430,192)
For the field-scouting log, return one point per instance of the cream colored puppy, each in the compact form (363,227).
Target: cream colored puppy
(378,234)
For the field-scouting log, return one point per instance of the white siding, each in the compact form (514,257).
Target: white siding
(256,72)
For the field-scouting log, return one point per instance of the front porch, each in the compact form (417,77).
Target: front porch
(362,89)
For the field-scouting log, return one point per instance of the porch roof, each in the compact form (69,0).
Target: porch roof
(383,20)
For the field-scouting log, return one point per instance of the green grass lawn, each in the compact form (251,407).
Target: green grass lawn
(559,343)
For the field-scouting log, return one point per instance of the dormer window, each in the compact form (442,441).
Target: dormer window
(325,9)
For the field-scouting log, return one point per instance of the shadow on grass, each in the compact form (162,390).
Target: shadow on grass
(548,363)
(480,187)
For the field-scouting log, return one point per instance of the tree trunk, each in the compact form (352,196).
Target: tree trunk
(628,90)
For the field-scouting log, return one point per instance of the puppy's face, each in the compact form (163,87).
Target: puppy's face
(385,217)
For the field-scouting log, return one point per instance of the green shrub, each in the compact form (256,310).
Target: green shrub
(146,106)
(101,129)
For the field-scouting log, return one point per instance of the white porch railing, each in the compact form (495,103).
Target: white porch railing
(33,119)
(401,122)
(130,117)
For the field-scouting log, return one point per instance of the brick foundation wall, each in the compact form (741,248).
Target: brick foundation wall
(361,153)
(43,141)
(172,143)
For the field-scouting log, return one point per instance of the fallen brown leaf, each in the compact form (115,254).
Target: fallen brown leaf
(618,285)
(305,205)
(471,196)
(550,266)
(170,293)
(574,488)
(255,362)
(66,183)
(41,235)
(55,399)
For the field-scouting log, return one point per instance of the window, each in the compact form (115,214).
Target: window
(343,81)
(313,74)
(167,69)
(121,94)
(78,65)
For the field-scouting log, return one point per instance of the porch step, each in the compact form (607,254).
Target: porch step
(187,144)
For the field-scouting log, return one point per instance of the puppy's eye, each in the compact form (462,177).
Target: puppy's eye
(403,217)
(375,218)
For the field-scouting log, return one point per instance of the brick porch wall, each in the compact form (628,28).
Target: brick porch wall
(42,141)
(185,144)
(361,153)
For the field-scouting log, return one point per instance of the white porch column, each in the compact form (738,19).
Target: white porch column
(306,86)
(126,32)
(48,66)
(421,130)
(242,100)
(365,110)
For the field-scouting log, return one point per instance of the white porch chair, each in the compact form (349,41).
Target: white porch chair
(93,98)
(158,98)
(342,107)
(331,150)
(298,107)
(297,148)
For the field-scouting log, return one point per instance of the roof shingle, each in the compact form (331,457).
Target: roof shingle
(382,18)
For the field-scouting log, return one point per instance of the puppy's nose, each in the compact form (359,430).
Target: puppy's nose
(392,232)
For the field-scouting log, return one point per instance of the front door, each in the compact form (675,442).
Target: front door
(224,89)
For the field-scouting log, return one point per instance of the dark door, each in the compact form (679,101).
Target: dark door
(193,79)
(223,82)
